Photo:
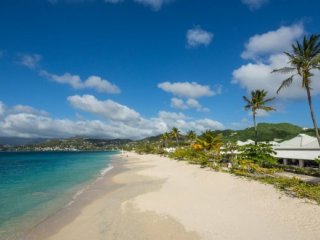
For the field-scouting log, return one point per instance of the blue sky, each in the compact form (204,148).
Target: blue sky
(135,68)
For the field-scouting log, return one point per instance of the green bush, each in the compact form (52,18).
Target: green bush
(296,187)
(261,153)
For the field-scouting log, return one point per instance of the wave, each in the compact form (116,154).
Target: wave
(81,191)
(104,171)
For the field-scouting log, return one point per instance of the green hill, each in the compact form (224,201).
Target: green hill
(266,132)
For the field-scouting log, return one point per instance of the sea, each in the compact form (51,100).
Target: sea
(34,185)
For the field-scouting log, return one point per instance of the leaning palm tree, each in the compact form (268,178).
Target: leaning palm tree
(175,133)
(191,136)
(257,102)
(303,60)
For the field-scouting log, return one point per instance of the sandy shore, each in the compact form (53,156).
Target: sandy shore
(157,198)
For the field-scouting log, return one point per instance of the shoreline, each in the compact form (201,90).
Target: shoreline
(67,213)
(153,197)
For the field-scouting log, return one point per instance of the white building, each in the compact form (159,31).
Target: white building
(249,141)
(301,150)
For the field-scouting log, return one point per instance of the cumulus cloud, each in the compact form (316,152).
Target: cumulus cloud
(197,37)
(30,60)
(154,4)
(97,83)
(178,103)
(258,75)
(272,42)
(108,109)
(2,108)
(179,120)
(93,82)
(187,104)
(119,121)
(28,109)
(171,115)
(254,4)
(189,89)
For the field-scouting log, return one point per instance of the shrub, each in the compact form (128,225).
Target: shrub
(261,153)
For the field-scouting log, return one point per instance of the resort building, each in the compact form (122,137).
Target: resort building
(301,151)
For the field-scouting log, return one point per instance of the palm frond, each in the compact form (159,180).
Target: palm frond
(285,83)
(268,100)
(267,109)
(284,70)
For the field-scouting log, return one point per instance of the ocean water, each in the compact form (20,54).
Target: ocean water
(34,185)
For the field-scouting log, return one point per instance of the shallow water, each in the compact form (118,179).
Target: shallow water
(34,185)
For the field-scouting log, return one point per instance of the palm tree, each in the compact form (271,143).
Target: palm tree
(210,141)
(175,133)
(257,102)
(191,136)
(164,138)
(304,59)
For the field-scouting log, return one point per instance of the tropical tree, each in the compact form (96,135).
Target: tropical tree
(257,102)
(305,58)
(175,133)
(210,141)
(165,138)
(191,136)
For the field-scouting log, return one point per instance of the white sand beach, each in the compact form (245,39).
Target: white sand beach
(159,198)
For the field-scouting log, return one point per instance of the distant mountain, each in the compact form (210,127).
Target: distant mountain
(18,141)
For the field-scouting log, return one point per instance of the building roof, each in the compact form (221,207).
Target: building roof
(249,141)
(299,142)
(302,147)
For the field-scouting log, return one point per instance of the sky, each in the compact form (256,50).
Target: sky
(137,68)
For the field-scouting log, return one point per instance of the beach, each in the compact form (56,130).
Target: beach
(153,197)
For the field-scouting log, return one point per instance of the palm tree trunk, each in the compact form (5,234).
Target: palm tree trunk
(255,128)
(177,140)
(313,117)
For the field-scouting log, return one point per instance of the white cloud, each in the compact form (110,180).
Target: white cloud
(101,85)
(120,121)
(272,42)
(178,103)
(154,4)
(93,82)
(188,104)
(189,89)
(258,75)
(197,36)
(108,109)
(255,4)
(30,60)
(27,109)
(171,115)
(2,108)
(193,103)
(179,120)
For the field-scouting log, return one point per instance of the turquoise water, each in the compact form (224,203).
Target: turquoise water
(34,185)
